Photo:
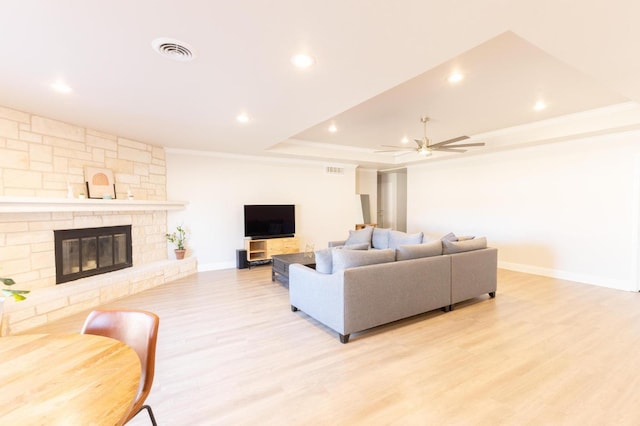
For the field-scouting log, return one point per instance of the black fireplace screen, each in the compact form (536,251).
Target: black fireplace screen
(91,251)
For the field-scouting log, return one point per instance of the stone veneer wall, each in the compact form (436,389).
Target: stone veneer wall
(41,157)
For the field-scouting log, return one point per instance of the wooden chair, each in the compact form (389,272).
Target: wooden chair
(138,329)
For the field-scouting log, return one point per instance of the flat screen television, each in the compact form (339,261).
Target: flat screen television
(269,220)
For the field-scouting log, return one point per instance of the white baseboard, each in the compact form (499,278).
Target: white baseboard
(216,266)
(626,285)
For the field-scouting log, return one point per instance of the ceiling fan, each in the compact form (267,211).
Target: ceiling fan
(425,147)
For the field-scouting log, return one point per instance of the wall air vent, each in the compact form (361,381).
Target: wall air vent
(331,170)
(173,49)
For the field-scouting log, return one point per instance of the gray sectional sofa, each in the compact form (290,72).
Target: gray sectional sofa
(353,289)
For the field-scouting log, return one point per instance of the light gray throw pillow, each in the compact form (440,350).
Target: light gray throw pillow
(324,257)
(343,259)
(380,238)
(360,236)
(451,247)
(449,237)
(324,263)
(416,251)
(398,238)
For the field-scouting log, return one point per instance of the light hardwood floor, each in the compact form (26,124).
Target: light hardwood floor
(544,351)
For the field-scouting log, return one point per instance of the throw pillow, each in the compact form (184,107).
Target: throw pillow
(324,263)
(416,251)
(324,258)
(343,259)
(380,238)
(449,237)
(398,238)
(360,236)
(450,247)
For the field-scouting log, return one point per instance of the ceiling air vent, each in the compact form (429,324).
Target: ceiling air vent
(331,170)
(173,49)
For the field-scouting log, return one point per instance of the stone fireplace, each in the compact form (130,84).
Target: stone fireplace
(42,165)
(28,255)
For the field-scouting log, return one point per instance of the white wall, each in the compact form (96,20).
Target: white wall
(217,188)
(568,210)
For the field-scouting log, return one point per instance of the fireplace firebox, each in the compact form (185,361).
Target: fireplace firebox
(85,252)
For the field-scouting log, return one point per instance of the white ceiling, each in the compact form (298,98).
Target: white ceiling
(380,66)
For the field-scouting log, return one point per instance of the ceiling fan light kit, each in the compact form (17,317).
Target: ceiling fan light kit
(426,148)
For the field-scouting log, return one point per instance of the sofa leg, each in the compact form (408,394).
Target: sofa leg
(344,338)
(450,308)
(293,308)
(446,308)
(492,294)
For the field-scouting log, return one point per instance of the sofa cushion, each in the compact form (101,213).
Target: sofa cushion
(398,238)
(360,236)
(450,247)
(380,238)
(343,259)
(324,258)
(466,237)
(416,251)
(357,246)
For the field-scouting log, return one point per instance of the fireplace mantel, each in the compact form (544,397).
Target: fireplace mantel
(40,204)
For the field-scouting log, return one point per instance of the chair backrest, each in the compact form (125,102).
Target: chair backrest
(136,328)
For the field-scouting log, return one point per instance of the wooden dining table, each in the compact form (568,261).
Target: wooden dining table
(66,379)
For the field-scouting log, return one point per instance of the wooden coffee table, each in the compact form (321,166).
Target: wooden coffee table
(281,263)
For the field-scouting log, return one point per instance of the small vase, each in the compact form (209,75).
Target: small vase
(180,253)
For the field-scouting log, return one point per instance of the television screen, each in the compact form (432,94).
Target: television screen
(269,220)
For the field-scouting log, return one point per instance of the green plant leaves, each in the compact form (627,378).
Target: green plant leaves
(7,281)
(18,295)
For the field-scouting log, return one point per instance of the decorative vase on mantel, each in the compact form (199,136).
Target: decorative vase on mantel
(180,253)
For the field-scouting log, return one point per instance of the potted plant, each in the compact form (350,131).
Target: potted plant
(18,295)
(178,237)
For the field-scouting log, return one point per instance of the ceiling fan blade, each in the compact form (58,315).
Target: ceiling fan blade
(399,147)
(450,141)
(419,142)
(463,145)
(454,140)
(451,149)
(390,150)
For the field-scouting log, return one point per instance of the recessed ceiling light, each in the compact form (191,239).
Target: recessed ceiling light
(242,118)
(333,128)
(61,87)
(455,77)
(302,61)
(540,105)
(405,140)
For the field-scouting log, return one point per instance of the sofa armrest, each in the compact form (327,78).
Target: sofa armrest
(336,243)
(320,296)
(473,273)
